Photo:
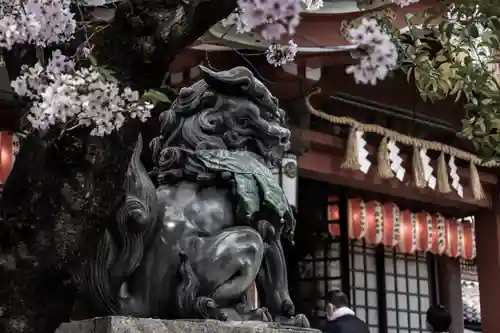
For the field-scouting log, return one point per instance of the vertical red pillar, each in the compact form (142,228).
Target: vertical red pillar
(450,291)
(488,266)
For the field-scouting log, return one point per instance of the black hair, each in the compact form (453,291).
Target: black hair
(337,298)
(439,318)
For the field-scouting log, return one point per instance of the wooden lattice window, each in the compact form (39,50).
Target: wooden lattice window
(363,280)
(407,291)
(320,271)
(387,289)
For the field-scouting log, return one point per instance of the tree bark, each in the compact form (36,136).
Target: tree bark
(58,197)
(63,190)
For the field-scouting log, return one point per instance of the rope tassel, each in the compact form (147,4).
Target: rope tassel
(418,169)
(351,154)
(383,160)
(442,175)
(447,178)
(475,183)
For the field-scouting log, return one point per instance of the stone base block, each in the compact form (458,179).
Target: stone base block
(148,325)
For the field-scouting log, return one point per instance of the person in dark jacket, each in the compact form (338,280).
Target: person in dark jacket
(340,318)
(438,318)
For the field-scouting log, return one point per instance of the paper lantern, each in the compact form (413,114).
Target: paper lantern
(287,176)
(385,223)
(6,156)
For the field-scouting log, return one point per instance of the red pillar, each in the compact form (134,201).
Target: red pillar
(488,267)
(450,291)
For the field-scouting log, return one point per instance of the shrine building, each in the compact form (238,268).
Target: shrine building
(393,207)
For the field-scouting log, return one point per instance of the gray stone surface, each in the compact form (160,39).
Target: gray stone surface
(148,325)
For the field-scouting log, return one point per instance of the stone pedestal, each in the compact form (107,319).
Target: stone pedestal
(147,325)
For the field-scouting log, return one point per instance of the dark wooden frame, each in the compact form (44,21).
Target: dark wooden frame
(346,251)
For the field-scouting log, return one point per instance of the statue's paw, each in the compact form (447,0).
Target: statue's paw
(299,320)
(208,309)
(260,314)
(287,308)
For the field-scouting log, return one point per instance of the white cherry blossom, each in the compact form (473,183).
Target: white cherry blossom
(404,3)
(279,55)
(312,5)
(273,18)
(62,94)
(39,22)
(380,55)
(234,19)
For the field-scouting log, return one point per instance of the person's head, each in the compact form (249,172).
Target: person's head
(438,318)
(335,299)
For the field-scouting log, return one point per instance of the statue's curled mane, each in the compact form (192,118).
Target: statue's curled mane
(229,110)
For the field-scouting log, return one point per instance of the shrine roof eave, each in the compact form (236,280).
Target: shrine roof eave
(304,51)
(221,36)
(318,32)
(309,56)
(339,10)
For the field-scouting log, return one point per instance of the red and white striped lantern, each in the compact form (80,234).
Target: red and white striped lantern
(410,232)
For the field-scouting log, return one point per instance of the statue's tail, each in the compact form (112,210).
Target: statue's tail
(121,249)
(187,289)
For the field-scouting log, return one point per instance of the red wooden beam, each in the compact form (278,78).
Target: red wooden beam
(323,163)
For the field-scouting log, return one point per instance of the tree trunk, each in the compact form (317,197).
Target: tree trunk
(60,194)
(63,191)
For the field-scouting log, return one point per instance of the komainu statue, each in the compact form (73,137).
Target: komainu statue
(192,246)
